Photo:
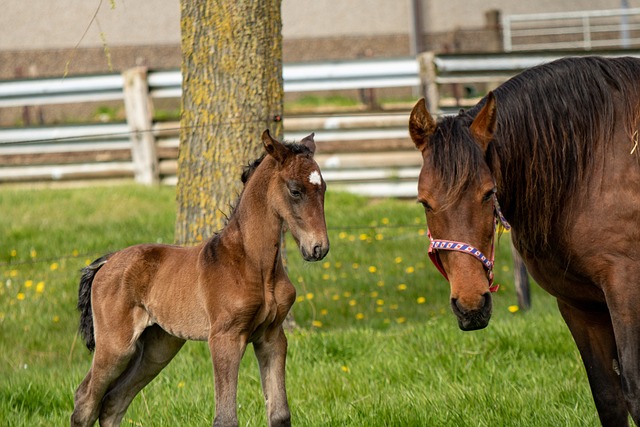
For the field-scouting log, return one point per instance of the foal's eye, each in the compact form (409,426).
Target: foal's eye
(295,193)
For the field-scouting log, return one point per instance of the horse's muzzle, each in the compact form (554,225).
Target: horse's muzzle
(317,252)
(473,319)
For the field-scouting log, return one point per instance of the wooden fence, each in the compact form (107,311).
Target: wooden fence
(366,153)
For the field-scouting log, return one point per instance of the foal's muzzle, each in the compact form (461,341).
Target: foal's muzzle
(317,252)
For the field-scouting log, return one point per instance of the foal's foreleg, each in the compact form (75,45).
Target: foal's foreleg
(156,348)
(593,334)
(227,349)
(271,353)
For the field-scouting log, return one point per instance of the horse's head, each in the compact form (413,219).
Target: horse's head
(457,190)
(296,193)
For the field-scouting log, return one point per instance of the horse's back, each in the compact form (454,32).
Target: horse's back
(157,281)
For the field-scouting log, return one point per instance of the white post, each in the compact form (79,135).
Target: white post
(139,112)
(428,75)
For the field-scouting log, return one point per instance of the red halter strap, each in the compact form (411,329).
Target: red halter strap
(449,245)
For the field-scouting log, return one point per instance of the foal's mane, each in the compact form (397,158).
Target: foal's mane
(554,123)
(251,167)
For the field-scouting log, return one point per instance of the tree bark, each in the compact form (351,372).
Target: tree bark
(232,91)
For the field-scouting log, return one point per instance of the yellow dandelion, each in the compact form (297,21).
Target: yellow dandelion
(342,235)
(379,237)
(352,303)
(385,221)
(345,369)
(398,260)
(381,283)
(421,300)
(410,269)
(87,261)
(393,306)
(379,309)
(402,287)
(325,276)
(380,302)
(28,284)
(374,294)
(346,294)
(505,268)
(316,324)
(75,252)
(417,220)
(326,265)
(335,297)
(309,296)
(300,279)
(373,269)
(56,319)
(181,384)
(364,236)
(54,266)
(355,266)
(20,296)
(513,308)
(324,312)
(421,232)
(352,238)
(13,273)
(338,264)
(360,316)
(40,287)
(33,253)
(401,319)
(14,252)
(300,298)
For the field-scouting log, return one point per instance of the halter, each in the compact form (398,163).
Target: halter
(449,245)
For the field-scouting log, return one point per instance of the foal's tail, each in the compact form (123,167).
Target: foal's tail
(84,301)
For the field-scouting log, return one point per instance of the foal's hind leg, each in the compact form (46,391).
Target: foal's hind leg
(271,353)
(156,348)
(593,334)
(114,348)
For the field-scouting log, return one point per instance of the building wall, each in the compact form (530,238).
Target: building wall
(49,38)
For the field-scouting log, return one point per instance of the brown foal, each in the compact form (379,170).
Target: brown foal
(139,305)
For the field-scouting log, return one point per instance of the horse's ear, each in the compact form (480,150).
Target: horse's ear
(274,147)
(308,142)
(421,125)
(484,125)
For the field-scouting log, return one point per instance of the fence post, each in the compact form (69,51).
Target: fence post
(429,85)
(139,112)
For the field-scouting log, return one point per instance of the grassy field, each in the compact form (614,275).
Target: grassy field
(376,344)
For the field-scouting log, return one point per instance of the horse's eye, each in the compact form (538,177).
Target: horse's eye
(426,205)
(489,195)
(296,194)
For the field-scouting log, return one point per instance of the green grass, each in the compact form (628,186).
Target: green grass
(376,344)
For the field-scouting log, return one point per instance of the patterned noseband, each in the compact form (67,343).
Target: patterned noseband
(436,245)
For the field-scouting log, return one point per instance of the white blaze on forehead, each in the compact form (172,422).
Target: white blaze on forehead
(315,178)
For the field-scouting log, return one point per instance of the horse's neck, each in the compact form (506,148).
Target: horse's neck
(254,229)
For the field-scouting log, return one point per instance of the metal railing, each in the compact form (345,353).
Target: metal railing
(594,29)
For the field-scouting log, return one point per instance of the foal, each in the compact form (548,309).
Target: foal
(139,305)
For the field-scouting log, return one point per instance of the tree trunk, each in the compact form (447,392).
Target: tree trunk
(232,91)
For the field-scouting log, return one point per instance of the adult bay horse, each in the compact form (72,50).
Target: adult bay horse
(139,305)
(557,147)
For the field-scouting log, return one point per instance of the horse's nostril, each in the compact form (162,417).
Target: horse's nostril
(317,251)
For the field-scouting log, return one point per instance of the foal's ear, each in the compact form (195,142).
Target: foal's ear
(274,147)
(484,125)
(308,142)
(421,125)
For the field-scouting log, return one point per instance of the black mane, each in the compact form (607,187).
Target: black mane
(554,122)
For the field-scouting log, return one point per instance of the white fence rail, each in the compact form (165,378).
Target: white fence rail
(369,154)
(594,29)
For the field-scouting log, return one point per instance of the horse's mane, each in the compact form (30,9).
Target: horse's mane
(554,123)
(250,168)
